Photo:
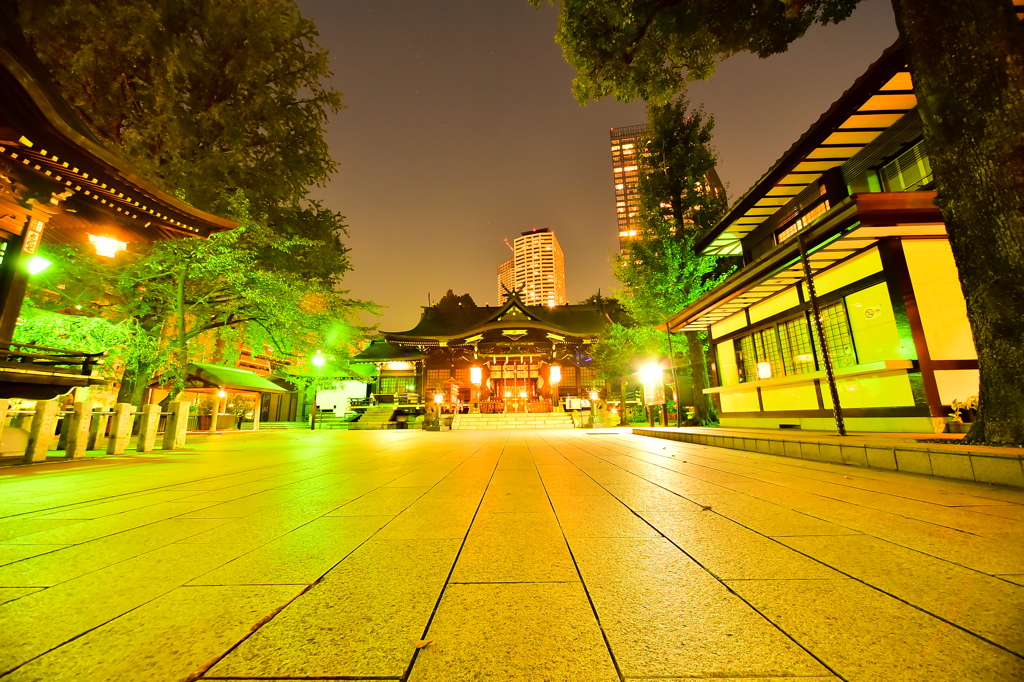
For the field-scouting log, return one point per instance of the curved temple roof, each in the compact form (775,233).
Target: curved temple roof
(52,152)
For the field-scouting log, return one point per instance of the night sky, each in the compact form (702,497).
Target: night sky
(461,130)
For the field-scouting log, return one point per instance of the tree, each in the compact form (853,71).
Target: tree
(620,352)
(167,296)
(452,301)
(967,59)
(221,104)
(678,201)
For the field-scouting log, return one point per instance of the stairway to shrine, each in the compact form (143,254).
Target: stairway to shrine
(376,418)
(514,420)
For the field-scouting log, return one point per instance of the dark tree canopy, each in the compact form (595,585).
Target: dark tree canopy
(451,300)
(205,98)
(649,49)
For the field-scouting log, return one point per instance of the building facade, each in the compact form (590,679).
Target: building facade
(536,269)
(499,358)
(849,209)
(626,144)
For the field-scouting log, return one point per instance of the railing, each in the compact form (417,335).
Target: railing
(84,428)
(39,358)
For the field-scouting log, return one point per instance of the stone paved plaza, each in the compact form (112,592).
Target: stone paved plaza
(543,555)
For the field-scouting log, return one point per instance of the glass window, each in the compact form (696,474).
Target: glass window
(761,346)
(836,326)
(797,351)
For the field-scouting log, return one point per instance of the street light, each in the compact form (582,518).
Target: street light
(476,377)
(554,377)
(438,399)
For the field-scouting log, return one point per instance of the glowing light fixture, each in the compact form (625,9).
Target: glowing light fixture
(764,370)
(399,365)
(476,375)
(439,398)
(522,394)
(594,395)
(222,394)
(651,373)
(37,264)
(555,374)
(319,359)
(106,246)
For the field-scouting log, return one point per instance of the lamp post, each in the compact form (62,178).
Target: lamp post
(554,378)
(653,378)
(438,400)
(476,377)
(318,360)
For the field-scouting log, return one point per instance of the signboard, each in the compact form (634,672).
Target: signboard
(33,235)
(654,392)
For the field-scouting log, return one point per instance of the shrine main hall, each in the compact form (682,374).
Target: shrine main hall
(509,358)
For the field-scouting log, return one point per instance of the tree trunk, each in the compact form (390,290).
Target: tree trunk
(623,418)
(967,61)
(134,382)
(704,411)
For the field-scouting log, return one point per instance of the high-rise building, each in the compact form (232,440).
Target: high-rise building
(626,146)
(536,269)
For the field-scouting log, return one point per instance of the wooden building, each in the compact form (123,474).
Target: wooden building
(855,195)
(508,358)
(59,185)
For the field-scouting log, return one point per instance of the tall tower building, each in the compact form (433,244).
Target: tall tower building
(626,145)
(536,269)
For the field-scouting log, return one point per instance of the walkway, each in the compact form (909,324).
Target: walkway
(546,555)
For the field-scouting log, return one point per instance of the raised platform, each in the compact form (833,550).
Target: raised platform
(514,420)
(892,451)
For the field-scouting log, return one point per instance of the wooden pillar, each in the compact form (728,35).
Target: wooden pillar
(78,430)
(14,271)
(148,428)
(5,405)
(121,428)
(177,426)
(42,431)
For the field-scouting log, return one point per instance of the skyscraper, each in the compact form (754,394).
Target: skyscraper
(536,269)
(626,145)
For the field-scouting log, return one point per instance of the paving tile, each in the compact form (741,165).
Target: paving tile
(79,605)
(873,636)
(84,531)
(730,551)
(362,620)
(769,519)
(986,606)
(1014,511)
(951,466)
(381,502)
(300,557)
(650,497)
(666,616)
(590,516)
(72,561)
(432,517)
(11,553)
(830,678)
(515,547)
(116,506)
(165,640)
(574,486)
(14,528)
(540,631)
(243,506)
(1016,579)
(8,594)
(996,470)
(528,498)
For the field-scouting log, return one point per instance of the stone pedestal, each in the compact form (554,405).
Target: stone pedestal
(78,430)
(148,427)
(121,428)
(42,431)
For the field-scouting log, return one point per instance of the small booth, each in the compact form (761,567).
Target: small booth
(225,398)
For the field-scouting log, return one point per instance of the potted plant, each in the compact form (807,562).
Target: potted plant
(963,414)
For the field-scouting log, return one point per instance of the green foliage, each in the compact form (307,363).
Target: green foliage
(223,105)
(639,49)
(622,350)
(679,201)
